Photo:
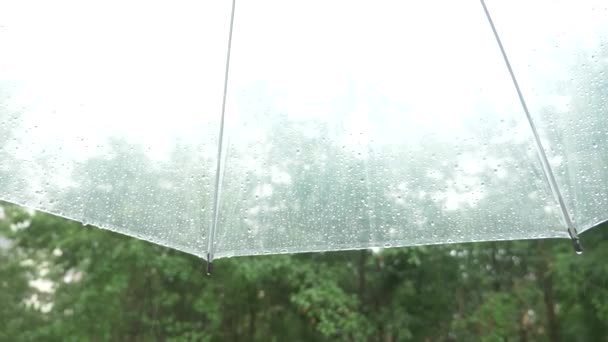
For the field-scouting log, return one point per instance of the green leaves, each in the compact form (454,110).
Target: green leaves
(111,287)
(332,311)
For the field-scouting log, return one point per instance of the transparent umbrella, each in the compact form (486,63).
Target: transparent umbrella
(279,126)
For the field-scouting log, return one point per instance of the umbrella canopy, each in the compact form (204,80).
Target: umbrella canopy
(293,126)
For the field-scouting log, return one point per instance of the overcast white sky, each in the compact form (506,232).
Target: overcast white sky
(152,71)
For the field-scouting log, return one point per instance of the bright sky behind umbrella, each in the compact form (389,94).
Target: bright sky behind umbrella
(377,74)
(115,67)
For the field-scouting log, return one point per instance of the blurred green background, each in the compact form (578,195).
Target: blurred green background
(60,281)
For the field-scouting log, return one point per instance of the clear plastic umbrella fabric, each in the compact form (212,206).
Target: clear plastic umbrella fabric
(330,125)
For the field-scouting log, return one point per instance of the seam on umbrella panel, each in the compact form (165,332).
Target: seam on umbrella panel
(546,167)
(220,166)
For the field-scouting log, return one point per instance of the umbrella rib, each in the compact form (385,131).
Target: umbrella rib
(546,166)
(218,170)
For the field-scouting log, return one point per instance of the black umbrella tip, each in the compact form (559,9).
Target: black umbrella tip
(576,242)
(209,264)
(578,247)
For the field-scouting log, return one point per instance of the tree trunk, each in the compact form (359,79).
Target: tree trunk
(546,282)
(495,268)
(252,317)
(523,330)
(361,271)
(552,322)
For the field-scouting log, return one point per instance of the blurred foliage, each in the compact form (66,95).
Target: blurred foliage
(61,281)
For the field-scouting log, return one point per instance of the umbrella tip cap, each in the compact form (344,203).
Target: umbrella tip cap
(578,247)
(576,242)
(209,264)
